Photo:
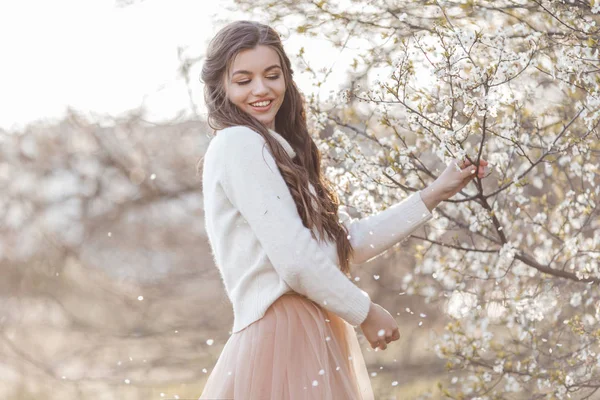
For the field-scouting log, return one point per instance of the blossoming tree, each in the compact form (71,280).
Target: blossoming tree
(514,257)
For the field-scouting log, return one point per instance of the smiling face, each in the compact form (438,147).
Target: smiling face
(255,83)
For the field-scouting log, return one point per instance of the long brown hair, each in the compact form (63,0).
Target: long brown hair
(290,122)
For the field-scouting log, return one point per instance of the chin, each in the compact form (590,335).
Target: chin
(269,124)
(266,121)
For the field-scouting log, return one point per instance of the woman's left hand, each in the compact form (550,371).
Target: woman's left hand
(457,175)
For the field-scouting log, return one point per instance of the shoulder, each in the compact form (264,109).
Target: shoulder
(233,141)
(238,148)
(238,137)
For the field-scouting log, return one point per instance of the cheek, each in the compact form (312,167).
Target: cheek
(236,95)
(281,90)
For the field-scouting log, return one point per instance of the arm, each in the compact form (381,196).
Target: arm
(254,185)
(432,195)
(371,236)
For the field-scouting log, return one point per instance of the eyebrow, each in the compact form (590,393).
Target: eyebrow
(250,73)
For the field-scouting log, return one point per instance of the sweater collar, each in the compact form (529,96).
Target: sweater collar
(288,147)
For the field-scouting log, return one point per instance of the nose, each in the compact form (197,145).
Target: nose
(260,88)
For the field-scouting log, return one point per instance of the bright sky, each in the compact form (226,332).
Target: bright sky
(98,58)
(93,56)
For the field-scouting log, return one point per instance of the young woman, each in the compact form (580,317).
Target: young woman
(282,247)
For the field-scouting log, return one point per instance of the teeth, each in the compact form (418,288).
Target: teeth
(262,103)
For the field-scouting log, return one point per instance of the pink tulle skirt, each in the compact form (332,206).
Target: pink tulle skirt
(297,351)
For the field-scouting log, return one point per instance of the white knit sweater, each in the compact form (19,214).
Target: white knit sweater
(260,245)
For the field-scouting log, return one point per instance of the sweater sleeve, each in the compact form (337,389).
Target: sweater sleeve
(373,235)
(252,182)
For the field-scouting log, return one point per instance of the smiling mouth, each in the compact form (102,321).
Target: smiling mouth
(261,103)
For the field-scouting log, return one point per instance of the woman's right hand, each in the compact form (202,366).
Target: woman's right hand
(380,328)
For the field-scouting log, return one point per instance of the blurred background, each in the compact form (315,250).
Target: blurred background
(108,288)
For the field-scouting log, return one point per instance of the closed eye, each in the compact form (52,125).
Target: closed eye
(272,77)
